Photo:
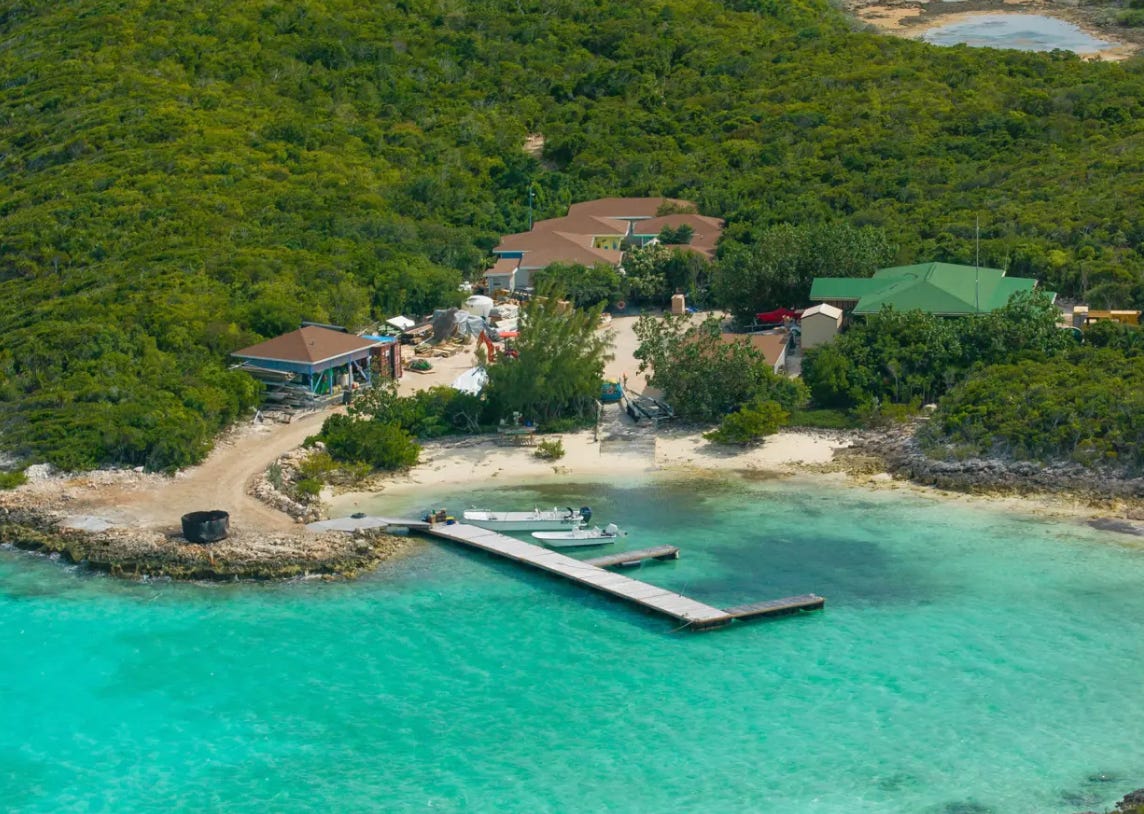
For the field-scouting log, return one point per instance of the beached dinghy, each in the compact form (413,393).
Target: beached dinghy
(537,519)
(580,537)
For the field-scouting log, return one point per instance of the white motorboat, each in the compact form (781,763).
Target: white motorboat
(537,519)
(574,538)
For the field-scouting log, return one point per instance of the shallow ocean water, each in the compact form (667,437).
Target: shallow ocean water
(1023,32)
(967,659)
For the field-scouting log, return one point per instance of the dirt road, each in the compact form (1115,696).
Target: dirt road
(220,482)
(158,502)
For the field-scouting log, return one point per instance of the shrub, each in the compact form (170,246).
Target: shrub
(877,415)
(570,424)
(307,489)
(750,424)
(274,474)
(10,480)
(824,419)
(384,446)
(550,450)
(317,465)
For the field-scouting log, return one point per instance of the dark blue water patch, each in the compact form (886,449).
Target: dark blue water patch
(966,807)
(852,572)
(1081,798)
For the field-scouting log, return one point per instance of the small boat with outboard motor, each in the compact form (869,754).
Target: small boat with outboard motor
(575,538)
(554,519)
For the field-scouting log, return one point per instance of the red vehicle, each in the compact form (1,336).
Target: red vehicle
(778,316)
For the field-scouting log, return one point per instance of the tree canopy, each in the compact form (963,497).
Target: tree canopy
(559,367)
(1086,406)
(899,357)
(182,179)
(704,377)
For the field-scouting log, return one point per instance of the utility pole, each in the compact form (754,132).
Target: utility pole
(977,270)
(531,193)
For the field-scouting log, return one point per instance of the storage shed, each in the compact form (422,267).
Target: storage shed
(820,325)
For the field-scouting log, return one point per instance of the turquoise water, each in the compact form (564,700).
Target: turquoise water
(1023,32)
(966,661)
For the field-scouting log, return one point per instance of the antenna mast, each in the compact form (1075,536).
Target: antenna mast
(977,269)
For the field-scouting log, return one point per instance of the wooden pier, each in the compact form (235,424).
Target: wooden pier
(590,573)
(687,612)
(659,552)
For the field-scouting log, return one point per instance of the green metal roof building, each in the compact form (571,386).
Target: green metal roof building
(943,289)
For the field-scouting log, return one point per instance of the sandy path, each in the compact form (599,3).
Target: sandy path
(220,482)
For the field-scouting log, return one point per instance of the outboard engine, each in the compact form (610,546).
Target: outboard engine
(585,515)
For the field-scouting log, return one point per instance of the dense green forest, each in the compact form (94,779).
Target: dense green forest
(181,179)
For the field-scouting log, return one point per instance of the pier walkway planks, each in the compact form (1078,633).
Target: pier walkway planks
(778,607)
(695,615)
(659,552)
(590,573)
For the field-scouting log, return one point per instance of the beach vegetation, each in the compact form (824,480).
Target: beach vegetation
(750,424)
(1085,405)
(10,480)
(552,450)
(704,376)
(275,476)
(823,418)
(906,356)
(384,446)
(429,413)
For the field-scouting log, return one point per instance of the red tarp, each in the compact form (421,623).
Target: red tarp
(776,316)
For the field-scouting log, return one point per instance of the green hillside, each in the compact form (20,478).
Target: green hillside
(181,179)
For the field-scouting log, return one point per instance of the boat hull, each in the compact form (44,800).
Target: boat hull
(524,521)
(578,538)
(577,542)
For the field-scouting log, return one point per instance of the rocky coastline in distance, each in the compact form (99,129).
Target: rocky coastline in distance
(897,452)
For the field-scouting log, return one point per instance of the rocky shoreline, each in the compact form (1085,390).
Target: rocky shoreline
(134,554)
(897,452)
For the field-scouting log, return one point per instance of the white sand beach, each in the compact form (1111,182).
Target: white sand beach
(449,464)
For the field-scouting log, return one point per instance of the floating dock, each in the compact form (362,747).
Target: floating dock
(659,552)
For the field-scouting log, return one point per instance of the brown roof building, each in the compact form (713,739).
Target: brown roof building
(319,356)
(773,346)
(595,232)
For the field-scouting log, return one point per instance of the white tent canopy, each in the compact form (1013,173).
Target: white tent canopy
(401,323)
(471,381)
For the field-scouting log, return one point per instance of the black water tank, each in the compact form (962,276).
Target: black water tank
(206,527)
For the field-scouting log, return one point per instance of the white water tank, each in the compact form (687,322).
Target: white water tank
(478,305)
